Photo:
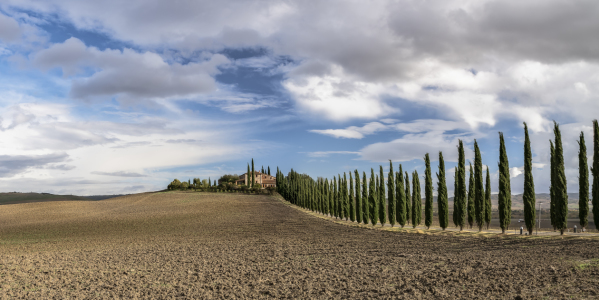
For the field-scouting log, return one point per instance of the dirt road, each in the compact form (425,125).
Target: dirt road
(191,246)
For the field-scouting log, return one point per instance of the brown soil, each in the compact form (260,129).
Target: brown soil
(202,246)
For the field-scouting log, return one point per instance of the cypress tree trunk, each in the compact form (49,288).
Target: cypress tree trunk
(442,194)
(416,200)
(460,199)
(373,212)
(595,172)
(382,198)
(478,188)
(358,198)
(583,183)
(552,185)
(561,191)
(401,199)
(471,198)
(488,199)
(505,192)
(365,200)
(391,194)
(428,193)
(352,209)
(528,196)
(408,198)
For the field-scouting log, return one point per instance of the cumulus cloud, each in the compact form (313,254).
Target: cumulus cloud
(353,132)
(11,165)
(128,73)
(9,29)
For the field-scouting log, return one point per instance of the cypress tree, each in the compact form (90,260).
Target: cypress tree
(471,198)
(416,200)
(505,192)
(595,172)
(335,198)
(331,199)
(352,209)
(358,198)
(488,199)
(365,200)
(382,198)
(262,169)
(326,197)
(391,194)
(209,182)
(345,198)
(428,193)
(528,196)
(552,185)
(442,194)
(373,212)
(478,188)
(408,198)
(460,194)
(455,197)
(583,183)
(268,170)
(561,191)
(253,175)
(401,199)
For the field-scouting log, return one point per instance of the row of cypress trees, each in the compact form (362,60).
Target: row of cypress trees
(367,203)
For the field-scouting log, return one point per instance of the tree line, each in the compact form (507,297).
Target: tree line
(398,200)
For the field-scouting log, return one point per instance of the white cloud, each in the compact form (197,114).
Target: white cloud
(9,29)
(327,153)
(353,132)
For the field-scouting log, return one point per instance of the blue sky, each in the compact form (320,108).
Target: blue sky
(114,97)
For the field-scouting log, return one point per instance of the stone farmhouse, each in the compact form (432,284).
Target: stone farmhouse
(264,179)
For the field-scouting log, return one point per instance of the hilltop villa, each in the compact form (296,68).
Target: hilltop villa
(264,179)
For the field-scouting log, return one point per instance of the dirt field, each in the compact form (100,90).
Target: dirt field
(191,246)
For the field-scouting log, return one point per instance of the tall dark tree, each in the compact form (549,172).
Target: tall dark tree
(249,176)
(335,198)
(253,175)
(583,183)
(408,198)
(352,208)
(428,193)
(345,198)
(401,199)
(391,194)
(505,192)
(268,170)
(561,188)
(479,196)
(331,198)
(365,200)
(262,169)
(595,172)
(416,200)
(552,185)
(488,199)
(455,197)
(460,201)
(471,209)
(358,198)
(382,198)
(528,196)
(325,196)
(442,204)
(372,197)
(209,182)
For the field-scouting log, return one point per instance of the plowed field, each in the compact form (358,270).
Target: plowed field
(203,246)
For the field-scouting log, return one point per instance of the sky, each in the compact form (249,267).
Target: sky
(118,97)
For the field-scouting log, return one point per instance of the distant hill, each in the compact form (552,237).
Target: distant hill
(16,198)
